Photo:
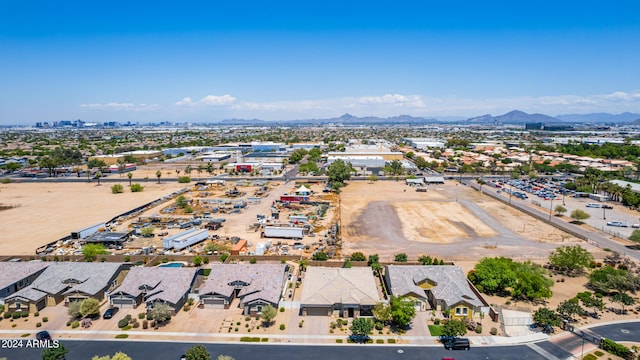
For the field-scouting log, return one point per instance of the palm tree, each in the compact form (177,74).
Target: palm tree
(130,175)
(158,175)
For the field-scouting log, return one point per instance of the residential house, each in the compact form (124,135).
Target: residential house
(153,285)
(345,292)
(437,287)
(66,282)
(256,285)
(18,275)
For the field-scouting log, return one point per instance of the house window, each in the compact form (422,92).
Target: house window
(259,309)
(462,311)
(18,306)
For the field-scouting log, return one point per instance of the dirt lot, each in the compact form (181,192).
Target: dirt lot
(389,217)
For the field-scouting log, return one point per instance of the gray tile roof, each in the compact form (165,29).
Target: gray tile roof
(12,272)
(164,283)
(265,281)
(328,286)
(67,277)
(450,283)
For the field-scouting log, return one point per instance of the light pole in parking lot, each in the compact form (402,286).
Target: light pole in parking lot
(604,215)
(550,209)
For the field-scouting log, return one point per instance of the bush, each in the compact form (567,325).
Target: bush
(128,327)
(391,341)
(136,187)
(379,341)
(117,189)
(614,348)
(493,331)
(249,339)
(36,314)
(479,329)
(339,341)
(38,324)
(436,321)
(282,326)
(136,325)
(16,315)
(145,324)
(122,336)
(598,353)
(75,324)
(264,339)
(301,323)
(184,179)
(45,319)
(6,315)
(379,325)
(123,322)
(142,315)
(281,309)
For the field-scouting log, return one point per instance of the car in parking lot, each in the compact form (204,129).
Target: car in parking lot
(617,224)
(593,205)
(110,312)
(605,206)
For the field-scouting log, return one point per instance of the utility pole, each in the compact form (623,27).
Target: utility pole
(550,209)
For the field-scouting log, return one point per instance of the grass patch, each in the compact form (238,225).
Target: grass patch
(598,353)
(249,339)
(206,272)
(122,336)
(435,330)
(379,341)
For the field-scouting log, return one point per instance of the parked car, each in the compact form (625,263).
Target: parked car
(593,205)
(636,226)
(43,335)
(617,224)
(457,344)
(605,206)
(109,313)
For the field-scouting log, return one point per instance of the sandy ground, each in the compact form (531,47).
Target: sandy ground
(46,212)
(390,217)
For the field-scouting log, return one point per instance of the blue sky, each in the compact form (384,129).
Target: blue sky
(280,60)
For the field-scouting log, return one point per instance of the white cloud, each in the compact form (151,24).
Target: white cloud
(185,102)
(214,100)
(395,99)
(116,106)
(621,96)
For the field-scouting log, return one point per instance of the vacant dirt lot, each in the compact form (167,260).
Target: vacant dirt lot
(448,220)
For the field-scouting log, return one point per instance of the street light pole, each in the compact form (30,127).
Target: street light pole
(604,215)
(550,209)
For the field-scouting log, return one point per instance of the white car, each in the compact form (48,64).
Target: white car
(593,205)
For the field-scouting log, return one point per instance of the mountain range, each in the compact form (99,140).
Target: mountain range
(512,117)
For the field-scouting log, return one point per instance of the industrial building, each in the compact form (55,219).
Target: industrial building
(185,239)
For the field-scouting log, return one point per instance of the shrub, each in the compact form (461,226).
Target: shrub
(247,318)
(141,315)
(128,327)
(379,341)
(379,325)
(24,314)
(264,339)
(123,322)
(136,187)
(590,357)
(145,324)
(6,315)
(68,323)
(236,329)
(38,324)
(249,339)
(436,321)
(136,325)
(598,353)
(282,326)
(122,336)
(117,189)
(391,341)
(493,331)
(36,314)
(184,179)
(127,258)
(301,323)
(281,309)
(75,324)
(479,329)
(614,348)
(339,341)
(253,260)
(16,315)
(45,319)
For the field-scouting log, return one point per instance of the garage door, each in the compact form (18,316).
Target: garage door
(213,303)
(317,311)
(123,303)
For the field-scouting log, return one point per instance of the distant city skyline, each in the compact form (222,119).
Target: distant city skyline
(284,60)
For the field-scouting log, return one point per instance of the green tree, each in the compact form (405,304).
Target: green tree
(73,309)
(147,231)
(493,275)
(158,175)
(98,176)
(161,312)
(402,310)
(425,260)
(546,316)
(571,260)
(560,210)
(198,352)
(268,314)
(117,356)
(197,260)
(55,353)
(373,259)
(357,256)
(360,328)
(609,279)
(382,312)
(579,215)
(593,302)
(96,163)
(91,251)
(401,257)
(314,154)
(297,155)
(130,176)
(623,299)
(90,307)
(394,168)
(570,308)
(320,256)
(532,282)
(136,187)
(635,236)
(339,172)
(454,328)
(117,189)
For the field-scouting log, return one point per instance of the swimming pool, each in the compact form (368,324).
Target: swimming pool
(172,265)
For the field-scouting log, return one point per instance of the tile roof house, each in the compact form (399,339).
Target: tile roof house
(256,285)
(67,281)
(18,275)
(349,292)
(437,287)
(153,285)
